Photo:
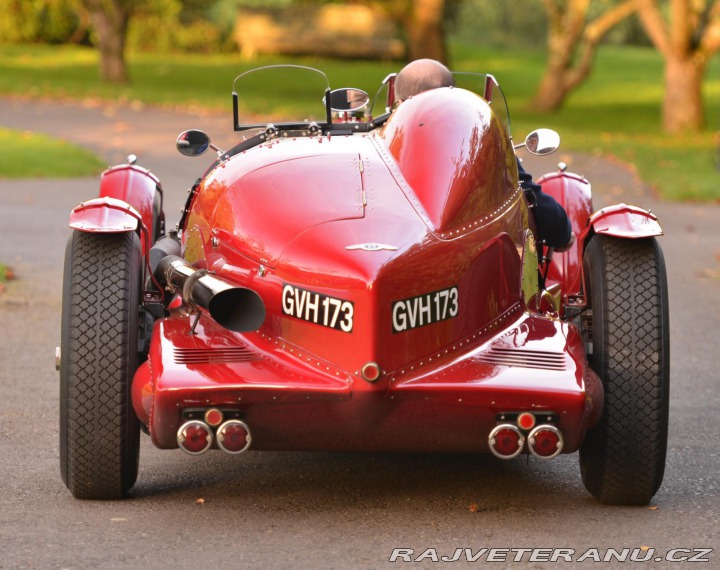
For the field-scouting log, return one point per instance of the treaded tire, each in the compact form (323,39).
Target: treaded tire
(99,432)
(622,459)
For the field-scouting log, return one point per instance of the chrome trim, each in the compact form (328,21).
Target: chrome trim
(534,420)
(531,440)
(494,432)
(58,358)
(181,436)
(371,247)
(222,416)
(364,372)
(220,436)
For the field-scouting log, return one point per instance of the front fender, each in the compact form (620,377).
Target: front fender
(136,186)
(574,193)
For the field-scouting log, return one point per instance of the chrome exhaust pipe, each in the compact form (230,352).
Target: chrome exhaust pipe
(233,437)
(236,308)
(545,441)
(194,437)
(506,441)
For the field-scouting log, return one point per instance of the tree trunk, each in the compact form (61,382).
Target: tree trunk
(571,38)
(110,21)
(425,33)
(683,109)
(551,92)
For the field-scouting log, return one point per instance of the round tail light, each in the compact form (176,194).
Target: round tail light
(213,417)
(545,442)
(506,441)
(526,420)
(194,437)
(234,437)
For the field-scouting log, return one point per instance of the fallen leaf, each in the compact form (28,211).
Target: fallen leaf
(653,508)
(200,501)
(644,548)
(473,507)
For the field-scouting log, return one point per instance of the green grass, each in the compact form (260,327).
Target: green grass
(33,155)
(615,113)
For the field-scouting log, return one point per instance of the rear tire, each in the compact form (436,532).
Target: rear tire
(622,459)
(99,432)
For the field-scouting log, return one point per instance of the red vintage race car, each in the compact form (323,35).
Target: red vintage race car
(360,282)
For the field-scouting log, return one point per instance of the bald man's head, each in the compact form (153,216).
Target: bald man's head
(421,75)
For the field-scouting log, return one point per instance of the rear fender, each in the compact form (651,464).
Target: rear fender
(622,221)
(110,216)
(106,215)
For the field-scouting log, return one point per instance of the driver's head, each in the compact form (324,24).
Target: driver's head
(421,75)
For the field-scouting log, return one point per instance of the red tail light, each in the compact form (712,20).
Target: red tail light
(234,436)
(194,437)
(213,417)
(545,441)
(526,420)
(506,441)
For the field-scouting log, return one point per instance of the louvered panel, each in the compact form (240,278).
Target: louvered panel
(210,355)
(524,358)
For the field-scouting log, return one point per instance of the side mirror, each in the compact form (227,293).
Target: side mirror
(542,141)
(193,143)
(348,99)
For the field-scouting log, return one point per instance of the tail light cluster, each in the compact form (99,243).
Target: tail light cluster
(196,436)
(509,438)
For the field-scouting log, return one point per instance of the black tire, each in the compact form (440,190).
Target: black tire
(99,432)
(622,459)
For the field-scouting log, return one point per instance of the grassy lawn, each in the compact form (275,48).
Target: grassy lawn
(616,112)
(5,273)
(30,155)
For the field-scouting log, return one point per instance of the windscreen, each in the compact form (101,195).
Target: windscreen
(280,93)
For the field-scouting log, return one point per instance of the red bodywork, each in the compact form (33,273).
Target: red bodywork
(408,249)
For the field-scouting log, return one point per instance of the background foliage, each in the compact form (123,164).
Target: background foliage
(182,54)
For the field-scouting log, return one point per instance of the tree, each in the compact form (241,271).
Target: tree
(423,22)
(572,43)
(425,30)
(109,19)
(686,35)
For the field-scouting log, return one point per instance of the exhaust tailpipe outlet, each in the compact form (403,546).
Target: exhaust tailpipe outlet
(236,308)
(506,441)
(194,437)
(545,441)
(234,437)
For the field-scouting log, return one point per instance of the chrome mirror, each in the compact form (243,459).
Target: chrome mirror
(542,141)
(348,99)
(193,143)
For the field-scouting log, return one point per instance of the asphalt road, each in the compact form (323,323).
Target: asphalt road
(320,510)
